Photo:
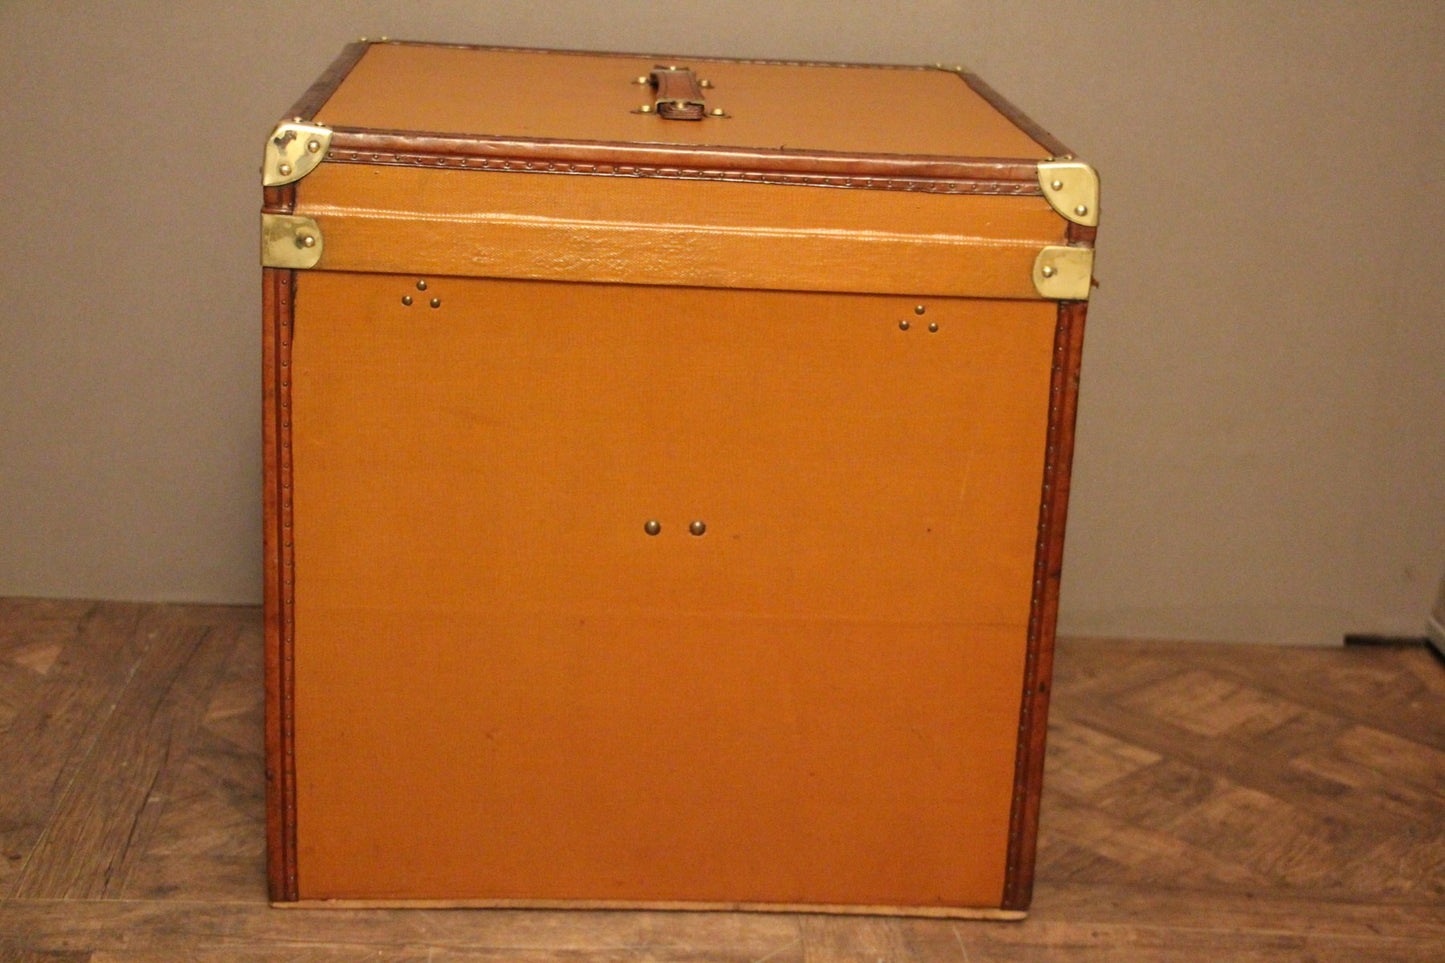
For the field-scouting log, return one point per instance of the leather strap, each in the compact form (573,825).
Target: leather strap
(679,95)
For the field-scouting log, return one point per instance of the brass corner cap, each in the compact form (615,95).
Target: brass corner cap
(290,241)
(292,151)
(1072,188)
(1063,273)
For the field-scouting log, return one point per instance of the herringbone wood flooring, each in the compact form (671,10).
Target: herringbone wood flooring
(1202,802)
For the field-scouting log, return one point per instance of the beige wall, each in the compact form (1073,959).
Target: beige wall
(1262,440)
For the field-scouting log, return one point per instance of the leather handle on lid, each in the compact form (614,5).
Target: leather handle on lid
(679,94)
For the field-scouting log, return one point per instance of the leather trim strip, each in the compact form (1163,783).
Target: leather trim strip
(278,297)
(1044,608)
(819,169)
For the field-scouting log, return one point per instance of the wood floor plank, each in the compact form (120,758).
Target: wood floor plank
(49,740)
(1240,909)
(1163,930)
(1396,690)
(1248,762)
(202,762)
(1127,851)
(844,939)
(102,815)
(209,834)
(1143,943)
(172,926)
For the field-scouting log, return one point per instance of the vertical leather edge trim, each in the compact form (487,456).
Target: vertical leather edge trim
(1017,117)
(1044,607)
(278,287)
(320,92)
(278,200)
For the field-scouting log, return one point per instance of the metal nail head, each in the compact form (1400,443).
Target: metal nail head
(697,528)
(652,527)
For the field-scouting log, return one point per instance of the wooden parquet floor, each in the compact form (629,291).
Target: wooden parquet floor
(1202,802)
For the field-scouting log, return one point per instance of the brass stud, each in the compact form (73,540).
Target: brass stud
(313,145)
(920,309)
(284,170)
(705,84)
(645,109)
(306,240)
(1057,185)
(718,112)
(933,326)
(652,527)
(1081,210)
(421,285)
(642,79)
(1047,271)
(406,300)
(903,325)
(697,527)
(436,302)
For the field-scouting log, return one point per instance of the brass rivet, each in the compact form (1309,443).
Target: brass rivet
(652,527)
(697,528)
(933,326)
(406,300)
(421,285)
(645,109)
(285,170)
(919,310)
(306,240)
(717,112)
(642,79)
(903,325)
(1081,210)
(1057,185)
(436,302)
(313,145)
(705,84)
(1047,271)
